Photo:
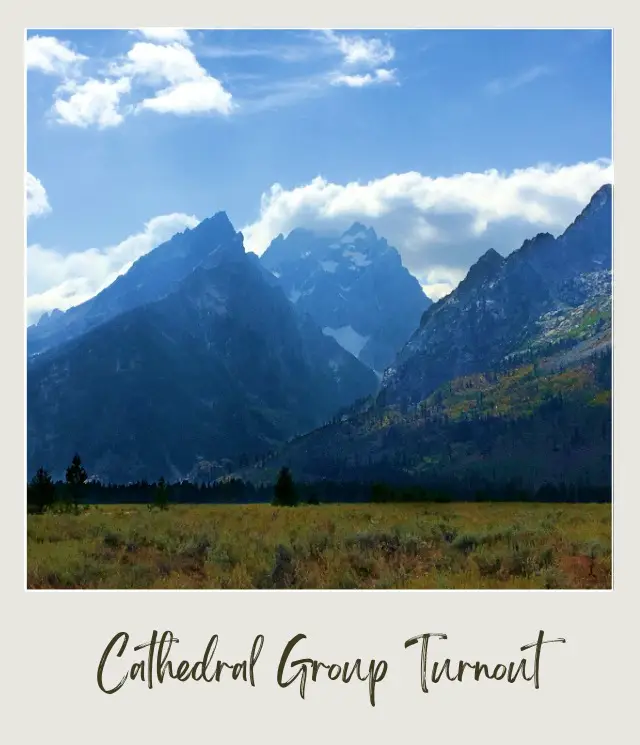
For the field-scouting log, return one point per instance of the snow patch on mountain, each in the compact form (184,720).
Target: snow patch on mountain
(348,338)
(329,266)
(357,258)
(350,239)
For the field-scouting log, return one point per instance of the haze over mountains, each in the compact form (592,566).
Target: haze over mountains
(202,358)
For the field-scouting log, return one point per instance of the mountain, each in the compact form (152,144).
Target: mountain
(354,286)
(150,278)
(527,426)
(498,308)
(216,366)
(507,379)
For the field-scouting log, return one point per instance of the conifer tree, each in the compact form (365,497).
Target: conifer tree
(41,492)
(161,495)
(75,478)
(284,491)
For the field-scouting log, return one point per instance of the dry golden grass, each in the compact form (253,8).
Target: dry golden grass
(457,545)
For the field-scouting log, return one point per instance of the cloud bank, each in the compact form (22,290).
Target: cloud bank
(440,225)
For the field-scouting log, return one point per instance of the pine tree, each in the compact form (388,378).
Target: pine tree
(284,491)
(75,478)
(161,495)
(41,492)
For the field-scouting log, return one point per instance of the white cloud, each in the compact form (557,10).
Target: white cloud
(358,51)
(165,35)
(502,85)
(191,97)
(37,201)
(155,63)
(92,102)
(359,81)
(52,56)
(191,89)
(440,225)
(55,280)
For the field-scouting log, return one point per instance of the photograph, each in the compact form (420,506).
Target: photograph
(318,309)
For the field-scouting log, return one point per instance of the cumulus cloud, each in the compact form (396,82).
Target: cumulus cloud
(191,89)
(180,85)
(360,52)
(164,35)
(380,75)
(52,56)
(440,225)
(55,280)
(191,97)
(94,102)
(36,195)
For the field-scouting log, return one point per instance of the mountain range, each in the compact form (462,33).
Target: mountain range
(325,355)
(507,378)
(192,359)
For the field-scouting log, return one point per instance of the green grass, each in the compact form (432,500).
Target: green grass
(461,545)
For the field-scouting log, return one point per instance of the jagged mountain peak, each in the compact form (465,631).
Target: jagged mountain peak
(219,218)
(486,267)
(538,240)
(601,202)
(358,231)
(353,285)
(220,365)
(601,196)
(210,235)
(151,277)
(497,306)
(490,258)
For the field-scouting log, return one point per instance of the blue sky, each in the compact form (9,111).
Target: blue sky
(127,127)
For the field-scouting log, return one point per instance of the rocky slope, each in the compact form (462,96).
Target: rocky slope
(150,278)
(499,307)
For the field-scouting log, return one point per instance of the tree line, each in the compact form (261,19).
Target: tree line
(77,491)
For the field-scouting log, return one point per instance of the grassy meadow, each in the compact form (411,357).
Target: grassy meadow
(383,546)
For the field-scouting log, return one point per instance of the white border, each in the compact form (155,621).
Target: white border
(56,638)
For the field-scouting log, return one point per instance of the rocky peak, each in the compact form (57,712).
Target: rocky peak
(485,268)
(358,231)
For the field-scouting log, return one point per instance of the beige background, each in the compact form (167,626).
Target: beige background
(52,641)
